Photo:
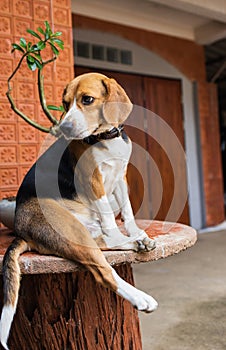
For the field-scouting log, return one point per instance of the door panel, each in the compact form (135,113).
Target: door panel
(166,146)
(157,171)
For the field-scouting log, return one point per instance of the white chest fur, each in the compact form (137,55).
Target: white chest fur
(112,159)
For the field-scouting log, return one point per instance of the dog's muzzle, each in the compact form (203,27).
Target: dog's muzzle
(74,125)
(66,127)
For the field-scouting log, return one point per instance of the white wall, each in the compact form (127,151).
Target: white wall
(148,63)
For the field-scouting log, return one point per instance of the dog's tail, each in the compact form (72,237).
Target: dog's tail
(11,284)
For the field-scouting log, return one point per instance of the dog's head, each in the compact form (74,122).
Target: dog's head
(94,103)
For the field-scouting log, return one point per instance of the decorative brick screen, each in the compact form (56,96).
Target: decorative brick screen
(19,142)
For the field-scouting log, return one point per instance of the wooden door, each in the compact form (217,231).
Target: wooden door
(166,146)
(157,164)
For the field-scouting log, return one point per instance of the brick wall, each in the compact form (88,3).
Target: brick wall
(19,142)
(210,157)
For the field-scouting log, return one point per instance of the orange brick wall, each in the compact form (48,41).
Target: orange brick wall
(19,142)
(211,160)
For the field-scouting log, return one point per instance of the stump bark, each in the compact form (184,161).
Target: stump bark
(70,311)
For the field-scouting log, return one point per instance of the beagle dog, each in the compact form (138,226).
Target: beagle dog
(69,199)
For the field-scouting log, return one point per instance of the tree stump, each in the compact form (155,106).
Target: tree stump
(70,311)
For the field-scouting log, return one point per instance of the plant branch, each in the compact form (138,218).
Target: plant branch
(13,106)
(23,116)
(32,53)
(53,120)
(49,61)
(14,72)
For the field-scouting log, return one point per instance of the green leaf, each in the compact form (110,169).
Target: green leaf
(17,47)
(54,49)
(34,48)
(55,108)
(23,43)
(31,65)
(59,42)
(57,34)
(48,31)
(29,46)
(41,30)
(38,64)
(30,59)
(47,25)
(38,56)
(34,34)
(41,45)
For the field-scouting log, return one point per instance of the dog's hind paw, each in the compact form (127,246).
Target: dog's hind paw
(140,300)
(145,302)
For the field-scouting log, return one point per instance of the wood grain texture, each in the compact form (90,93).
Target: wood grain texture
(167,147)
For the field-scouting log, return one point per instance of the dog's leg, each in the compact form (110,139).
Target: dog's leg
(140,300)
(73,241)
(112,236)
(70,239)
(141,239)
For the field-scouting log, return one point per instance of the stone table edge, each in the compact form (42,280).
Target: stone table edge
(167,244)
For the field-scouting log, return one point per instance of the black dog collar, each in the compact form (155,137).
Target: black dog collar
(106,135)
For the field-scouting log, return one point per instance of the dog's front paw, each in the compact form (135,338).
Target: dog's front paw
(142,242)
(145,245)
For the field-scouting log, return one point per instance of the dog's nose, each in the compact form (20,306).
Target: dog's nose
(66,127)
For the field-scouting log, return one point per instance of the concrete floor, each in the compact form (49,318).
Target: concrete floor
(191,290)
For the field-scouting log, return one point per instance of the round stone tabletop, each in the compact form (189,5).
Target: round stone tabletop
(171,238)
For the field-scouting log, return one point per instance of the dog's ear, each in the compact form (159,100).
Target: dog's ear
(69,93)
(66,104)
(117,106)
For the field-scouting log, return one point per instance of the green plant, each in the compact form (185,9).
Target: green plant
(32,53)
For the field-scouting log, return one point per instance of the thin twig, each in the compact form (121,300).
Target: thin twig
(14,72)
(13,106)
(42,98)
(54,129)
(49,61)
(23,116)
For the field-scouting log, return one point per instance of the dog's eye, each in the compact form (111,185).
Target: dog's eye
(87,100)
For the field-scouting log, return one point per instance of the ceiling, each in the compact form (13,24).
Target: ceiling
(203,21)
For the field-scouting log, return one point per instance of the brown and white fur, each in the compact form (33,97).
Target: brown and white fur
(68,201)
